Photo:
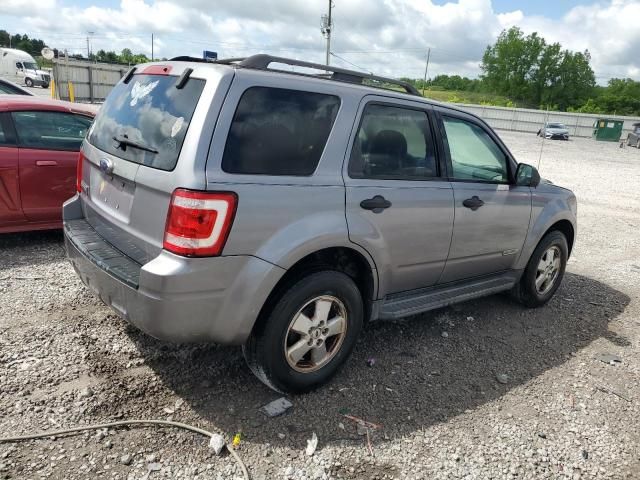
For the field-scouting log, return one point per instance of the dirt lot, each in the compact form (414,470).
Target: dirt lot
(65,360)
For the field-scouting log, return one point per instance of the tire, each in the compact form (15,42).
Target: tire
(278,330)
(526,291)
(638,143)
(45,85)
(28,82)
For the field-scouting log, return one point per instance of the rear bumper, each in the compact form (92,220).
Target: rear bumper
(173,298)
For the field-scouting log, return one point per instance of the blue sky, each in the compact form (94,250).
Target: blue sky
(389,37)
(547,8)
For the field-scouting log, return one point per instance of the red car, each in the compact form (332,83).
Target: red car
(39,144)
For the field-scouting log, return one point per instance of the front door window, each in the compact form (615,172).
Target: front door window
(474,154)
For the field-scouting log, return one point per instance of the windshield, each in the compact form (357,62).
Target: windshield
(145,121)
(30,65)
(555,125)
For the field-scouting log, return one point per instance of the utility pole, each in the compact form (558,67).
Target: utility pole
(89,45)
(325,28)
(426,69)
(152,47)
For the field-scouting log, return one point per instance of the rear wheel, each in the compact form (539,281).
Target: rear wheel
(544,272)
(308,334)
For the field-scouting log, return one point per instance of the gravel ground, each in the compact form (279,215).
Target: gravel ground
(505,393)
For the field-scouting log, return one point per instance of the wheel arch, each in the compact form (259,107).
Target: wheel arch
(346,259)
(566,228)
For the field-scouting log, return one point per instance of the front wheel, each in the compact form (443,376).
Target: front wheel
(28,82)
(544,272)
(308,334)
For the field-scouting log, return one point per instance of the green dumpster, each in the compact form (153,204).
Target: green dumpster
(607,130)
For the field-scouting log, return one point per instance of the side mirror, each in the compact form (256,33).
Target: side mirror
(527,176)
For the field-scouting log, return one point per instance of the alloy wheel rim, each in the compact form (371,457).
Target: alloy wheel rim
(548,270)
(315,334)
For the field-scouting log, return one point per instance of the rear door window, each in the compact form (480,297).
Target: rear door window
(393,143)
(150,112)
(278,131)
(50,130)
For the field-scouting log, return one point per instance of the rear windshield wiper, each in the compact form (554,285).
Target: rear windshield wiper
(124,142)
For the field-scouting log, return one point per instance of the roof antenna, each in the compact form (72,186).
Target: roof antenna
(543,138)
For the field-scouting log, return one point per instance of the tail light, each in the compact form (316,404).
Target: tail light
(79,172)
(198,223)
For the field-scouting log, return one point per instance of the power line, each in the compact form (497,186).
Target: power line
(352,64)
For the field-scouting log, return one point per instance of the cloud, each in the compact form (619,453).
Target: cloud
(389,37)
(17,7)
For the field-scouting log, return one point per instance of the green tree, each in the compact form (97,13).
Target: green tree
(575,82)
(126,56)
(33,46)
(528,69)
(510,64)
(621,96)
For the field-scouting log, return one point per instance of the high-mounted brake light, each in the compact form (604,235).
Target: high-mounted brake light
(79,172)
(198,223)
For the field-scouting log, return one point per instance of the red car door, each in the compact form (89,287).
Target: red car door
(10,208)
(48,151)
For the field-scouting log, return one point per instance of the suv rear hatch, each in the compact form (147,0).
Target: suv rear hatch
(150,137)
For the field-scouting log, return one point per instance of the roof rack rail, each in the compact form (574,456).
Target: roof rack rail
(187,58)
(262,62)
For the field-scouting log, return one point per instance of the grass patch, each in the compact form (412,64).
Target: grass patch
(477,98)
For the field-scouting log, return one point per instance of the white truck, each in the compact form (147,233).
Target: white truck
(20,67)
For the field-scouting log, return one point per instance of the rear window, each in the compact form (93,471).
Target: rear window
(150,112)
(277,131)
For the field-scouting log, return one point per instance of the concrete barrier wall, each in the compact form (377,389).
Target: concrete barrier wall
(526,120)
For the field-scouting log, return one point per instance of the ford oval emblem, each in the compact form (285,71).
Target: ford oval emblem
(106,166)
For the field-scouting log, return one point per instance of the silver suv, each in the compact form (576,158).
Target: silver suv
(238,203)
